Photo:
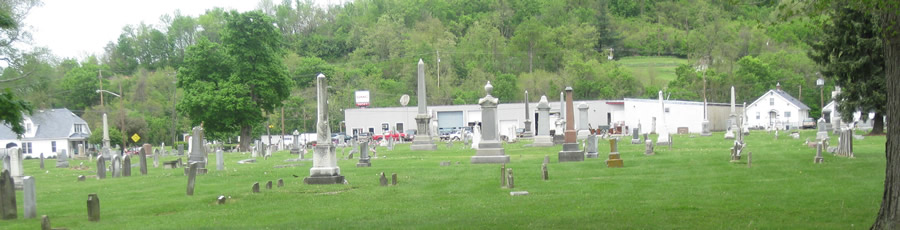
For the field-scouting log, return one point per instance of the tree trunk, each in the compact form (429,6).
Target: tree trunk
(877,124)
(245,138)
(889,213)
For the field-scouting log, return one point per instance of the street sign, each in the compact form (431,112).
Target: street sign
(135,138)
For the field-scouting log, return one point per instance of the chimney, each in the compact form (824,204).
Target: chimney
(778,86)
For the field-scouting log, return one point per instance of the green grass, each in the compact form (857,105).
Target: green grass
(691,186)
(653,70)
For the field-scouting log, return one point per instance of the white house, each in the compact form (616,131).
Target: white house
(776,108)
(857,116)
(48,132)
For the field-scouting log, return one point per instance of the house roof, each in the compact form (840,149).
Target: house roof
(52,123)
(786,97)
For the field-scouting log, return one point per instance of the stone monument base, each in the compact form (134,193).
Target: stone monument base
(295,151)
(818,160)
(582,134)
(542,141)
(364,163)
(591,155)
(423,143)
(338,179)
(636,141)
(527,135)
(821,135)
(199,170)
(559,139)
(729,135)
(614,161)
(570,152)
(490,152)
(490,159)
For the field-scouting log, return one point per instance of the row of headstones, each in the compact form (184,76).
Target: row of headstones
(255,187)
(8,206)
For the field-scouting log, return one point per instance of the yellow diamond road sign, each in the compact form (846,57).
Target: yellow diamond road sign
(135,138)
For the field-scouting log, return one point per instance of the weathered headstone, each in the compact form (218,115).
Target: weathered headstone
(181,149)
(635,136)
(8,209)
(17,171)
(546,159)
(527,133)
(45,223)
(749,159)
(544,174)
(116,166)
(503,176)
(845,143)
(661,128)
(583,126)
(156,158)
(423,139)
(648,147)
(295,147)
(101,167)
(29,200)
(325,169)
(198,152)
(490,150)
(81,177)
(614,160)
(220,160)
(62,159)
(383,180)
(445,163)
(570,150)
(221,200)
(255,187)
(280,183)
(732,119)
(822,133)
(192,177)
(393,178)
(819,159)
(510,180)
(269,185)
(93,207)
(42,160)
(145,150)
(590,146)
(364,160)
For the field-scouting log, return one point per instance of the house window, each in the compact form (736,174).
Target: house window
(53,146)
(26,147)
(27,127)
(787,114)
(757,115)
(399,127)
(79,128)
(771,101)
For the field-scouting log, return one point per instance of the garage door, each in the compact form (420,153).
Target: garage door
(450,119)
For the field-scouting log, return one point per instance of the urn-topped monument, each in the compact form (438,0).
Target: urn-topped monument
(490,150)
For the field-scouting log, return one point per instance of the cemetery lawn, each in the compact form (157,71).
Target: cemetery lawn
(691,186)
(652,70)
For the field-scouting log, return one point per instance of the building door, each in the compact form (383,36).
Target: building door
(772,118)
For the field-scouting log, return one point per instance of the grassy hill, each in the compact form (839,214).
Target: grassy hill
(690,186)
(653,70)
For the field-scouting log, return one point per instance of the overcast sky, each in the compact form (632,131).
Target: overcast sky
(80,28)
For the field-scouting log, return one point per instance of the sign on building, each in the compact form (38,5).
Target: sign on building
(362,98)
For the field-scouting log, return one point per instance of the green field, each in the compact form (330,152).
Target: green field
(656,71)
(691,186)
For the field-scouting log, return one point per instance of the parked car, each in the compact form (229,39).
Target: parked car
(520,132)
(808,123)
(396,136)
(456,135)
(410,135)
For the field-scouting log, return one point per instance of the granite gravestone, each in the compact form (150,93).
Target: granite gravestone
(255,187)
(325,169)
(17,171)
(570,150)
(8,209)
(101,167)
(648,147)
(635,136)
(732,119)
(198,152)
(192,177)
(819,159)
(590,146)
(423,139)
(115,166)
(583,126)
(62,159)
(295,147)
(126,171)
(220,160)
(527,133)
(93,207)
(42,160)
(364,155)
(490,150)
(383,180)
(661,129)
(29,199)
(181,149)
(145,150)
(845,143)
(156,158)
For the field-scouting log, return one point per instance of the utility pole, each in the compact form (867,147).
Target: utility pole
(100,79)
(122,117)
(438,67)
(174,115)
(282,126)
